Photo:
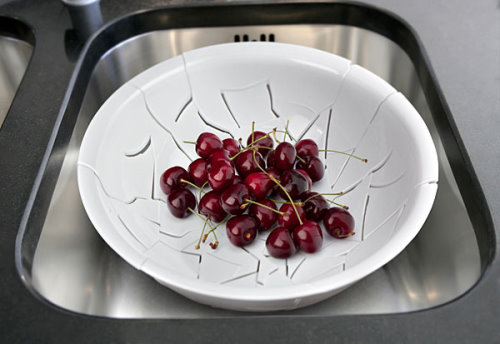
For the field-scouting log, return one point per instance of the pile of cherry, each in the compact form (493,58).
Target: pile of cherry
(250,179)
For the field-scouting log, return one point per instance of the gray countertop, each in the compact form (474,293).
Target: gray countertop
(462,42)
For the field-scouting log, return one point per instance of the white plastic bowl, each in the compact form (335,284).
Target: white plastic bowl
(139,132)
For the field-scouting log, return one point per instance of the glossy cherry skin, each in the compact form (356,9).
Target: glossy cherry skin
(339,223)
(198,171)
(237,180)
(179,201)
(171,179)
(267,142)
(309,181)
(306,147)
(294,183)
(308,236)
(241,230)
(285,155)
(266,218)
(280,243)
(231,145)
(233,198)
(245,164)
(315,207)
(276,174)
(211,207)
(218,155)
(271,158)
(220,175)
(313,166)
(289,218)
(206,144)
(259,184)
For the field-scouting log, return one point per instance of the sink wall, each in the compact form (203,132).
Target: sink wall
(15,54)
(74,269)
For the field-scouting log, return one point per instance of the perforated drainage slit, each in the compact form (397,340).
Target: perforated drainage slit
(262,38)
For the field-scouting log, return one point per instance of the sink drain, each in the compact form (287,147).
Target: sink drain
(263,38)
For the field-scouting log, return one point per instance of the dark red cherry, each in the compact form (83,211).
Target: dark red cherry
(309,181)
(308,236)
(266,218)
(211,207)
(259,184)
(171,179)
(266,142)
(245,163)
(206,144)
(241,230)
(271,158)
(198,171)
(306,147)
(284,157)
(274,172)
(218,155)
(220,175)
(339,223)
(294,183)
(237,180)
(180,201)
(280,244)
(231,145)
(233,198)
(315,207)
(313,166)
(289,218)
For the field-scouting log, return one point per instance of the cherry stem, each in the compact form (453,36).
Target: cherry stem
(339,152)
(270,176)
(201,188)
(191,142)
(324,194)
(288,133)
(193,185)
(253,131)
(259,139)
(214,246)
(250,146)
(212,230)
(264,206)
(300,204)
(338,204)
(346,235)
(215,237)
(201,236)
(204,219)
(275,138)
(301,160)
(340,235)
(286,130)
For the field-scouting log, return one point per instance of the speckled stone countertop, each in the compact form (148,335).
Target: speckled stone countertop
(462,42)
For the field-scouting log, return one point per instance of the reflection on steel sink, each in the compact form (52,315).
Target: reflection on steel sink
(15,53)
(71,267)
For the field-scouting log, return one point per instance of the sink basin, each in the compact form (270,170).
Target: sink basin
(15,53)
(66,263)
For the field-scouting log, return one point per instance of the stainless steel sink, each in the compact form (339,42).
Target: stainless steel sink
(71,267)
(14,57)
